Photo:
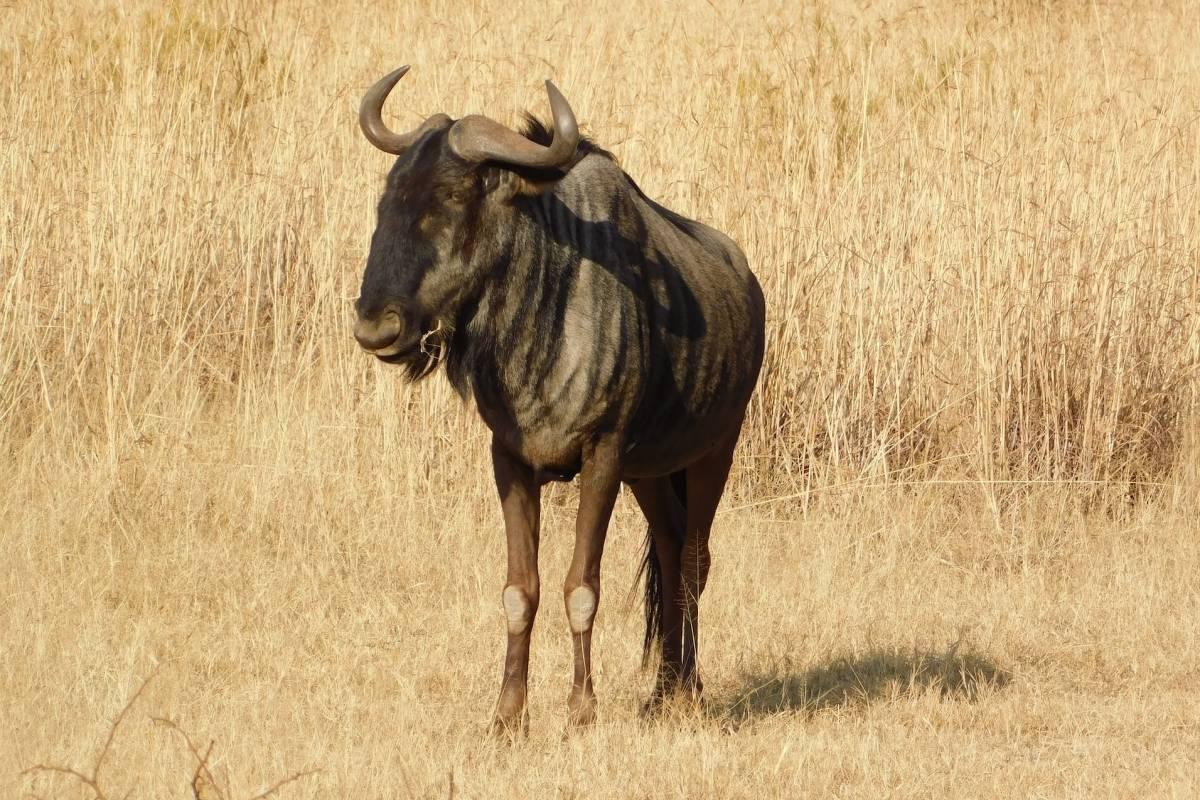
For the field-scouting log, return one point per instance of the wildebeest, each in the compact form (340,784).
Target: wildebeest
(599,333)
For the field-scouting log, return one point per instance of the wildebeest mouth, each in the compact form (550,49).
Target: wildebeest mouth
(400,356)
(421,356)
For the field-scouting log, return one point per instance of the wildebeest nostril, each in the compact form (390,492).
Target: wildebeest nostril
(376,334)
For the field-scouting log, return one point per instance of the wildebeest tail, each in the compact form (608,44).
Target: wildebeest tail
(653,572)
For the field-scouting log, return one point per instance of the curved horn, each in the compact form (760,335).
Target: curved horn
(370,117)
(477,138)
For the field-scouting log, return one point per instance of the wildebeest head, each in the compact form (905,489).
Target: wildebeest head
(450,185)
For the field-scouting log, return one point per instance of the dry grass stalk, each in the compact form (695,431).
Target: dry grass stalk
(92,779)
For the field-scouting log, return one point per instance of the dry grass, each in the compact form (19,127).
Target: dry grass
(959,555)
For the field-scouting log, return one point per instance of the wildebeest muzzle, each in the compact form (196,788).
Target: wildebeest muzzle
(387,333)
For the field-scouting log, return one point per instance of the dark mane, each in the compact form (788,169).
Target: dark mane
(536,131)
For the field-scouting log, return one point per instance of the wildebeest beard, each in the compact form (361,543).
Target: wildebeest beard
(423,360)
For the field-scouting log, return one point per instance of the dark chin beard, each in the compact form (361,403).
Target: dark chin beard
(416,365)
(421,361)
(420,366)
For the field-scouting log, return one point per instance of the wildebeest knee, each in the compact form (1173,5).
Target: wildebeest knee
(520,606)
(582,602)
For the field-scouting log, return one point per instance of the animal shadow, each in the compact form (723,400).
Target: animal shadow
(878,674)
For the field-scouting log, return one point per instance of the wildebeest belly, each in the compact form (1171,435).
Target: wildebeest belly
(674,434)
(672,401)
(697,386)
(667,425)
(541,436)
(548,404)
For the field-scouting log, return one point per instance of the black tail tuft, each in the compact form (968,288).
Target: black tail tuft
(653,573)
(651,645)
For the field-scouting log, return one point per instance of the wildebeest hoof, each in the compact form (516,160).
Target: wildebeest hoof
(511,727)
(684,697)
(652,707)
(581,712)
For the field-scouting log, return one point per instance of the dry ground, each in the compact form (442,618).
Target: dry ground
(959,556)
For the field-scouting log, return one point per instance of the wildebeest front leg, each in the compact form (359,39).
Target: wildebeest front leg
(599,480)
(520,500)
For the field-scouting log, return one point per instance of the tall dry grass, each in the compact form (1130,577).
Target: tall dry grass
(977,227)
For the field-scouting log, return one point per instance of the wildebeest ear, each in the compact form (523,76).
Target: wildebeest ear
(508,184)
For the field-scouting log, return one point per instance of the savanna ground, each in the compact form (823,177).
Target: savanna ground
(959,554)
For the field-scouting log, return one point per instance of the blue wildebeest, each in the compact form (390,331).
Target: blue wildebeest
(599,333)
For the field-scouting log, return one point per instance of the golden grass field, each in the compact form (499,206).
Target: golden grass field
(959,555)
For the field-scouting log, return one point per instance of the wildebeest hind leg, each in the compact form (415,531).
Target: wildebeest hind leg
(664,512)
(705,485)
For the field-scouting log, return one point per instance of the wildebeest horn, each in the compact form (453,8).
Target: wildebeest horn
(477,138)
(370,117)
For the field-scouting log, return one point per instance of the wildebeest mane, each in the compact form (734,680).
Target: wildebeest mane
(538,132)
